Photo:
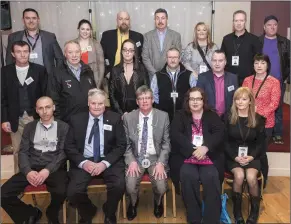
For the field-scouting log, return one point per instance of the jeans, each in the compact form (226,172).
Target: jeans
(278,128)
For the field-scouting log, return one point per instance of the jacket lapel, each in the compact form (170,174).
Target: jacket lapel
(166,40)
(211,80)
(155,125)
(92,54)
(83,129)
(43,44)
(156,38)
(136,127)
(226,85)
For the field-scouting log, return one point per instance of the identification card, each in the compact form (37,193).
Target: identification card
(235,61)
(33,55)
(197,140)
(28,80)
(242,151)
(107,127)
(230,88)
(89,48)
(145,163)
(202,68)
(174,94)
(106,61)
(138,44)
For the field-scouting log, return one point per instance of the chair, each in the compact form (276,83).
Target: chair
(41,189)
(98,183)
(145,180)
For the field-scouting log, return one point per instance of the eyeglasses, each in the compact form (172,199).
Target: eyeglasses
(144,98)
(131,51)
(197,99)
(176,58)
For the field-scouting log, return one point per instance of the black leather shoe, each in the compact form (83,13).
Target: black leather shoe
(111,220)
(132,211)
(82,221)
(33,219)
(158,209)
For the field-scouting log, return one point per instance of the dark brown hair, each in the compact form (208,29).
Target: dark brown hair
(263,57)
(186,106)
(135,55)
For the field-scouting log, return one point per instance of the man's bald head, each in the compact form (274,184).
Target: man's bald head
(123,21)
(45,108)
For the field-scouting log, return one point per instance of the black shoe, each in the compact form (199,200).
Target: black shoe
(53,222)
(82,221)
(278,140)
(33,219)
(131,211)
(110,220)
(255,210)
(158,209)
(237,200)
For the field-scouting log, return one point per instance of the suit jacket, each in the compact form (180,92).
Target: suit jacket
(161,127)
(154,59)
(10,105)
(51,51)
(114,140)
(109,45)
(206,82)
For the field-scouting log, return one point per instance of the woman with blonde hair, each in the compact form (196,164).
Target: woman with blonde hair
(197,55)
(245,141)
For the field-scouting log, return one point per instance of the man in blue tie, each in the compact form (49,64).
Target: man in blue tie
(95,146)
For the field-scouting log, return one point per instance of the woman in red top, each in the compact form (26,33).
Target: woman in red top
(267,92)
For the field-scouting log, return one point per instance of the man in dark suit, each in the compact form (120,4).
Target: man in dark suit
(95,146)
(45,49)
(112,40)
(218,85)
(22,83)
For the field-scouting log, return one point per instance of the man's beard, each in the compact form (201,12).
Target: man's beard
(123,28)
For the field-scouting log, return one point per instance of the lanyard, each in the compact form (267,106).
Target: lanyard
(236,46)
(241,134)
(32,46)
(174,80)
(260,85)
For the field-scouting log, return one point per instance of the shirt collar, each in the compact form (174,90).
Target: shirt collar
(216,77)
(91,117)
(177,71)
(141,115)
(162,32)
(74,68)
(51,125)
(245,33)
(37,33)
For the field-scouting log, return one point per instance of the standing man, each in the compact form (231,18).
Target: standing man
(44,48)
(112,40)
(95,146)
(278,50)
(240,47)
(22,83)
(147,150)
(219,85)
(41,160)
(70,84)
(157,42)
(171,83)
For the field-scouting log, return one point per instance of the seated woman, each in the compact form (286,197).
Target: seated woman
(267,92)
(197,157)
(125,79)
(245,142)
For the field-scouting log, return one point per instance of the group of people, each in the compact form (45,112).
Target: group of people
(185,114)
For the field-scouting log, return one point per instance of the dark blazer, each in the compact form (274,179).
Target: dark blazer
(117,86)
(10,105)
(51,51)
(114,141)
(206,82)
(181,141)
(109,45)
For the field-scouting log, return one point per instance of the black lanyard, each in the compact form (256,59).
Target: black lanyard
(32,46)
(203,56)
(241,134)
(236,46)
(260,85)
(173,81)
(199,126)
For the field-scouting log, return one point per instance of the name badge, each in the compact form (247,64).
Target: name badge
(106,61)
(242,151)
(107,127)
(235,61)
(197,140)
(202,68)
(29,80)
(230,88)
(138,44)
(33,55)
(174,94)
(89,48)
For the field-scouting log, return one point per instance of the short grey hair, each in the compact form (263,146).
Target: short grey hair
(95,91)
(143,90)
(174,49)
(71,42)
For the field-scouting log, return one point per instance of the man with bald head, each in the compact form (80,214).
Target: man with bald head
(70,84)
(42,161)
(112,40)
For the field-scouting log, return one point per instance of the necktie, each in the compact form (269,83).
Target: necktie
(96,143)
(144,137)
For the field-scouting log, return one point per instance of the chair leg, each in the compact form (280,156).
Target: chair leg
(65,212)
(34,200)
(174,200)
(165,205)
(118,210)
(124,206)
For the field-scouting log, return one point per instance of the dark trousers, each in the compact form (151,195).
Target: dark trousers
(191,177)
(278,128)
(19,211)
(77,190)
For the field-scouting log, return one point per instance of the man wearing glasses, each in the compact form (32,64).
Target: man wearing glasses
(171,83)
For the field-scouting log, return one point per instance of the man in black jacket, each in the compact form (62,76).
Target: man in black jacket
(41,161)
(22,83)
(278,50)
(70,84)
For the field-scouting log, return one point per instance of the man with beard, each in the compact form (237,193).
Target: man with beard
(112,40)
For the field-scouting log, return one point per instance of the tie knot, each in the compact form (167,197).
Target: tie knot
(96,120)
(145,119)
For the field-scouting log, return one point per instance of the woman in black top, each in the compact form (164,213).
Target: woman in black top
(125,79)
(244,144)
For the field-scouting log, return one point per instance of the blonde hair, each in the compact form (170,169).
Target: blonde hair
(240,92)
(195,41)
(71,42)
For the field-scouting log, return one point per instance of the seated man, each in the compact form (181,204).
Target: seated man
(41,161)
(95,146)
(148,148)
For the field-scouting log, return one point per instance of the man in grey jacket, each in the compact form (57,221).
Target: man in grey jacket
(41,161)
(148,148)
